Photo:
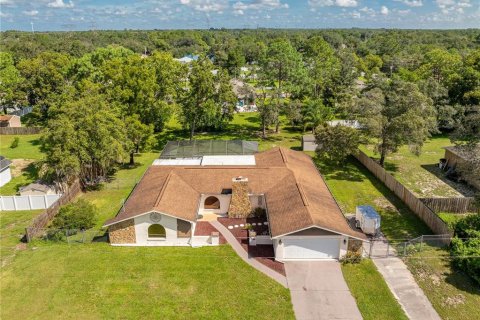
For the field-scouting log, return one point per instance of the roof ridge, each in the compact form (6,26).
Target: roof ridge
(302,194)
(160,195)
(284,156)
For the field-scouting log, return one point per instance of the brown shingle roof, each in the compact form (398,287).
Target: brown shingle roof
(296,195)
(5,118)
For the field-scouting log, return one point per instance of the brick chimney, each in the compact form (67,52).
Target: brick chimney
(240,206)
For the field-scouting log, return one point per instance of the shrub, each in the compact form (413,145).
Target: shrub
(78,215)
(336,143)
(352,257)
(465,247)
(259,213)
(15,142)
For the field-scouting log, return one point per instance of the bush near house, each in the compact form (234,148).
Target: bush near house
(80,215)
(466,246)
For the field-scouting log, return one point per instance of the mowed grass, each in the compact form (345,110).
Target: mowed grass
(28,150)
(421,174)
(98,281)
(109,197)
(12,229)
(352,185)
(452,293)
(28,147)
(373,297)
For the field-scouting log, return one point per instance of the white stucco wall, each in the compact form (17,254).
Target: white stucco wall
(5,176)
(279,248)
(224,203)
(169,223)
(343,246)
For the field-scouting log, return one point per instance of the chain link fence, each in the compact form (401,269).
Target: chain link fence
(73,236)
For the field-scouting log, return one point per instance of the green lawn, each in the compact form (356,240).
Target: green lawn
(352,185)
(28,147)
(98,281)
(374,298)
(453,294)
(26,153)
(420,173)
(12,229)
(109,197)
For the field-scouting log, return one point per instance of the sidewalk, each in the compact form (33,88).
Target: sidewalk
(244,255)
(404,287)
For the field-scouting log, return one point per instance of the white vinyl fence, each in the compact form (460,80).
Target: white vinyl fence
(14,203)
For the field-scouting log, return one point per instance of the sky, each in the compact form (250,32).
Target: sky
(68,15)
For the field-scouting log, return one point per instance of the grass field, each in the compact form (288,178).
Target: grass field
(12,229)
(98,281)
(25,154)
(453,294)
(420,173)
(353,185)
(372,294)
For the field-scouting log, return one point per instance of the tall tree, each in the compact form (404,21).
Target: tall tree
(45,78)
(208,99)
(322,64)
(139,134)
(395,113)
(10,93)
(84,139)
(282,69)
(314,114)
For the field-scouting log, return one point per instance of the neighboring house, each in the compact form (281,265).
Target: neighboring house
(37,188)
(11,121)
(304,220)
(455,156)
(188,58)
(5,174)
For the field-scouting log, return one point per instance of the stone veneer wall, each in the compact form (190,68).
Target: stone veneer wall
(122,232)
(240,206)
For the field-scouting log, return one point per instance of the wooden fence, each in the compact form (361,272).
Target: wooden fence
(431,219)
(20,130)
(453,205)
(42,220)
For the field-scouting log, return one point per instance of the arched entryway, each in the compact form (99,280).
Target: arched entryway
(157,231)
(211,203)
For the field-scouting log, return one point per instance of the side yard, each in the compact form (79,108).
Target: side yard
(421,174)
(23,157)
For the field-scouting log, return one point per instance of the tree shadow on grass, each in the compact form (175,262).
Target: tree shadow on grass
(461,187)
(344,171)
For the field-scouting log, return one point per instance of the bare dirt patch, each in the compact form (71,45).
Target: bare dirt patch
(18,165)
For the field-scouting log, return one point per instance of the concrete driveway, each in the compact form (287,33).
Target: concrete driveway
(319,291)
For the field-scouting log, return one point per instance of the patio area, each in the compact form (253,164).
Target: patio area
(263,253)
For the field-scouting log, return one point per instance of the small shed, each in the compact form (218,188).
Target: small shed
(37,188)
(367,219)
(5,174)
(10,121)
(309,143)
(455,156)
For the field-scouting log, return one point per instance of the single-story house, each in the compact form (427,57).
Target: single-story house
(304,220)
(188,58)
(11,121)
(37,188)
(455,156)
(5,173)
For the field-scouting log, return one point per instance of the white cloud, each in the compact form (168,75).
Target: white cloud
(452,6)
(329,3)
(205,5)
(30,13)
(384,10)
(411,3)
(259,5)
(60,4)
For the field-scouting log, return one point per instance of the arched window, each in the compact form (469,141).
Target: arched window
(212,203)
(156,231)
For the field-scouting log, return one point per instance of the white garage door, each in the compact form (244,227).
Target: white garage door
(311,248)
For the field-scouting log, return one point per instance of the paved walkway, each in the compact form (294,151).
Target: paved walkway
(403,286)
(244,255)
(319,291)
